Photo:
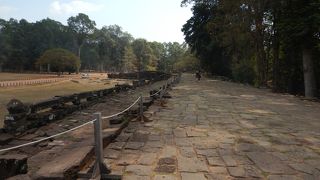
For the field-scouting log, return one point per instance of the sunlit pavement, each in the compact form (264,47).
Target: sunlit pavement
(221,130)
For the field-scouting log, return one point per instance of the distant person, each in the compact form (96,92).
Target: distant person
(198,75)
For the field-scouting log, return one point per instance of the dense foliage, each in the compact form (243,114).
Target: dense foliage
(106,49)
(59,60)
(265,42)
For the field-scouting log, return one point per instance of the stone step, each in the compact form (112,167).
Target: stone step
(64,166)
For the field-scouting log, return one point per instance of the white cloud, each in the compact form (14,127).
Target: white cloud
(73,7)
(6,10)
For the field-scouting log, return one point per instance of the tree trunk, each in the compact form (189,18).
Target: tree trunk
(79,51)
(276,63)
(261,54)
(308,70)
(139,71)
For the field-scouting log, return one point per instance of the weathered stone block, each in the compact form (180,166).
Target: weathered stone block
(11,165)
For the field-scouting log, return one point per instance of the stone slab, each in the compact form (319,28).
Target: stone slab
(269,163)
(229,161)
(139,170)
(238,172)
(62,164)
(193,176)
(13,164)
(134,145)
(111,153)
(215,161)
(147,158)
(116,145)
(165,177)
(191,165)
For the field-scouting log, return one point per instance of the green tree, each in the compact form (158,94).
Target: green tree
(60,60)
(299,25)
(130,60)
(187,62)
(144,54)
(258,41)
(82,26)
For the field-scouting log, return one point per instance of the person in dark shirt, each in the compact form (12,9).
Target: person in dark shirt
(198,75)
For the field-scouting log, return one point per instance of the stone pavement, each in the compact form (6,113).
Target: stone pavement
(221,130)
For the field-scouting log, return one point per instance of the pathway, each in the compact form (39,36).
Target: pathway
(221,130)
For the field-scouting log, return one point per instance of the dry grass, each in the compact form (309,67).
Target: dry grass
(41,92)
(15,76)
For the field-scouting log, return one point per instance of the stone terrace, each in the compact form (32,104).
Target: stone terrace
(221,130)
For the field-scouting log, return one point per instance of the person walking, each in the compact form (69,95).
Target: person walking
(198,75)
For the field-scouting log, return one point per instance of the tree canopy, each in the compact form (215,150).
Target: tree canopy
(109,48)
(265,43)
(60,60)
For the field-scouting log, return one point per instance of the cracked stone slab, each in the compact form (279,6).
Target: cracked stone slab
(140,137)
(154,144)
(154,138)
(167,169)
(123,137)
(192,133)
(165,177)
(215,161)
(135,177)
(193,176)
(218,170)
(111,153)
(134,145)
(207,152)
(116,145)
(302,168)
(168,151)
(247,147)
(179,132)
(238,172)
(139,170)
(191,165)
(187,152)
(283,177)
(212,176)
(269,163)
(183,142)
(147,158)
(229,161)
(127,159)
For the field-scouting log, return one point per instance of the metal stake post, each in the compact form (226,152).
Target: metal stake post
(100,168)
(141,107)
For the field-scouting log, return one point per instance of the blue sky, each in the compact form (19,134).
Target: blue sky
(154,20)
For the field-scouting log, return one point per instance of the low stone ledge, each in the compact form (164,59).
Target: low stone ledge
(11,165)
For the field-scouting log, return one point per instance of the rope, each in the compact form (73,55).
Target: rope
(44,139)
(75,128)
(156,93)
(111,116)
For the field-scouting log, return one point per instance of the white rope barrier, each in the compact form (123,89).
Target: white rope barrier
(44,139)
(75,128)
(156,93)
(72,129)
(114,115)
